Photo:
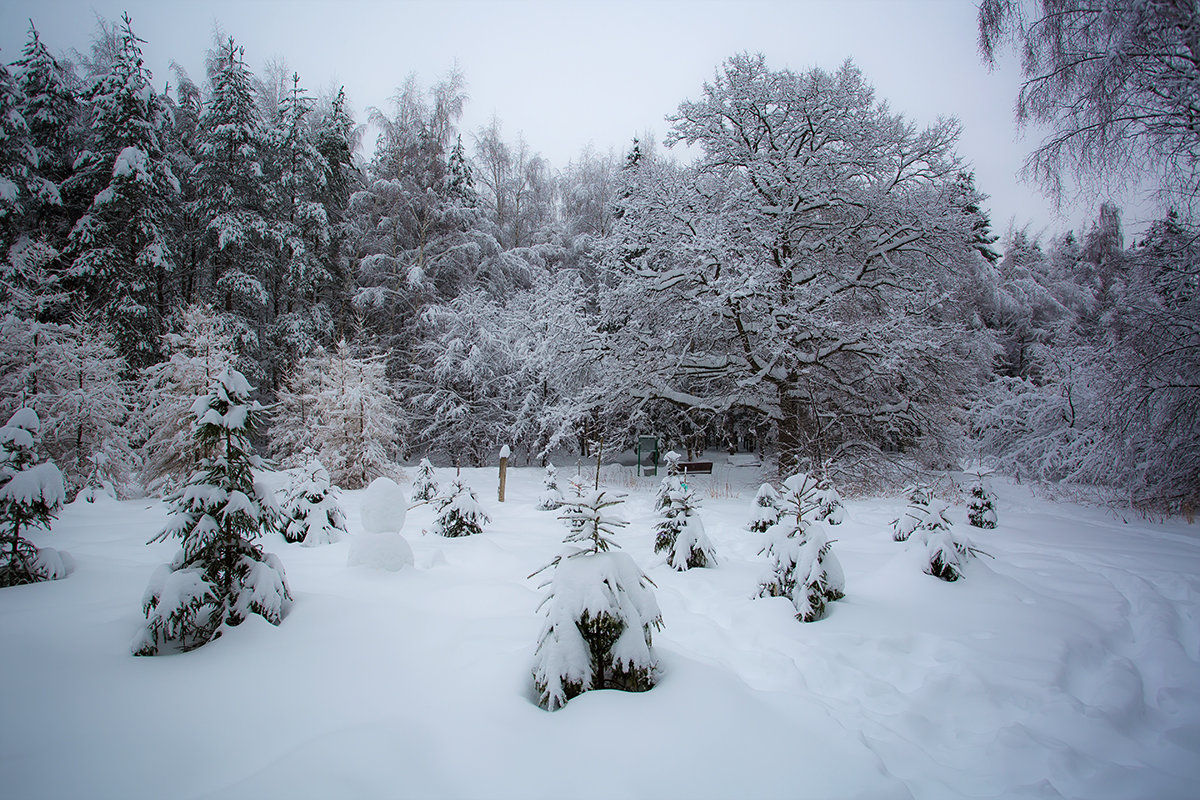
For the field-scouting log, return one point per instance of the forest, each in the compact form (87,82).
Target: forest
(819,283)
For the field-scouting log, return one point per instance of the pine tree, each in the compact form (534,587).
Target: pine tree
(914,516)
(981,510)
(552,497)
(804,568)
(220,575)
(50,109)
(31,493)
(680,533)
(311,513)
(459,513)
(765,511)
(120,252)
(599,611)
(425,485)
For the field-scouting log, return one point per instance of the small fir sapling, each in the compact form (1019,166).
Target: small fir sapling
(914,516)
(829,503)
(311,513)
(220,575)
(424,485)
(599,611)
(765,511)
(947,550)
(460,513)
(804,568)
(31,494)
(680,533)
(672,458)
(981,509)
(552,497)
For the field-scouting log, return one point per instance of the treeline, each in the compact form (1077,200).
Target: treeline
(821,283)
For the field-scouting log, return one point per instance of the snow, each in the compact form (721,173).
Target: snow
(132,162)
(384,507)
(38,484)
(1068,665)
(387,551)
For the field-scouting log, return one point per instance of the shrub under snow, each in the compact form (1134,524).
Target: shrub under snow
(311,514)
(599,611)
(424,485)
(460,513)
(552,496)
(804,568)
(765,511)
(981,509)
(31,493)
(680,533)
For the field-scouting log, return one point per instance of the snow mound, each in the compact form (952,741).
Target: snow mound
(384,507)
(387,551)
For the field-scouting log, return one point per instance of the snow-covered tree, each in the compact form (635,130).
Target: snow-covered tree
(981,509)
(946,549)
(599,611)
(202,345)
(425,485)
(31,493)
(311,513)
(915,516)
(120,250)
(680,534)
(803,566)
(220,575)
(764,512)
(552,496)
(804,269)
(459,513)
(829,503)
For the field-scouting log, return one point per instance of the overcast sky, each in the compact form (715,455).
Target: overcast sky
(574,73)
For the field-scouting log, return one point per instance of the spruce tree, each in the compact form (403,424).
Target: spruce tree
(220,575)
(765,511)
(680,533)
(804,568)
(311,514)
(459,513)
(600,610)
(981,509)
(31,493)
(425,485)
(552,496)
(120,253)
(914,516)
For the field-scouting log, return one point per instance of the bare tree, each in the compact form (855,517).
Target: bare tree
(1117,82)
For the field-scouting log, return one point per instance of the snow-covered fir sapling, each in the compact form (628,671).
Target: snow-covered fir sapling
(600,610)
(460,513)
(672,458)
(947,550)
(424,485)
(914,516)
(220,575)
(552,496)
(311,513)
(804,568)
(981,509)
(680,533)
(31,493)
(765,511)
(829,503)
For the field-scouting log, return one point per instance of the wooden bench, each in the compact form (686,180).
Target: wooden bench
(695,467)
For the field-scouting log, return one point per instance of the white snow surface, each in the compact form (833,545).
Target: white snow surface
(1066,666)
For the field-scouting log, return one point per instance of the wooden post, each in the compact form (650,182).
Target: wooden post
(504,454)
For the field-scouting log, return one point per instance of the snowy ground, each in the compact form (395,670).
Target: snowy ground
(1068,666)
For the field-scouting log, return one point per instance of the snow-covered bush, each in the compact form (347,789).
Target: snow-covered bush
(829,503)
(31,493)
(311,513)
(662,498)
(220,575)
(765,511)
(424,485)
(947,550)
(914,516)
(599,611)
(680,533)
(460,513)
(804,568)
(981,509)
(552,496)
